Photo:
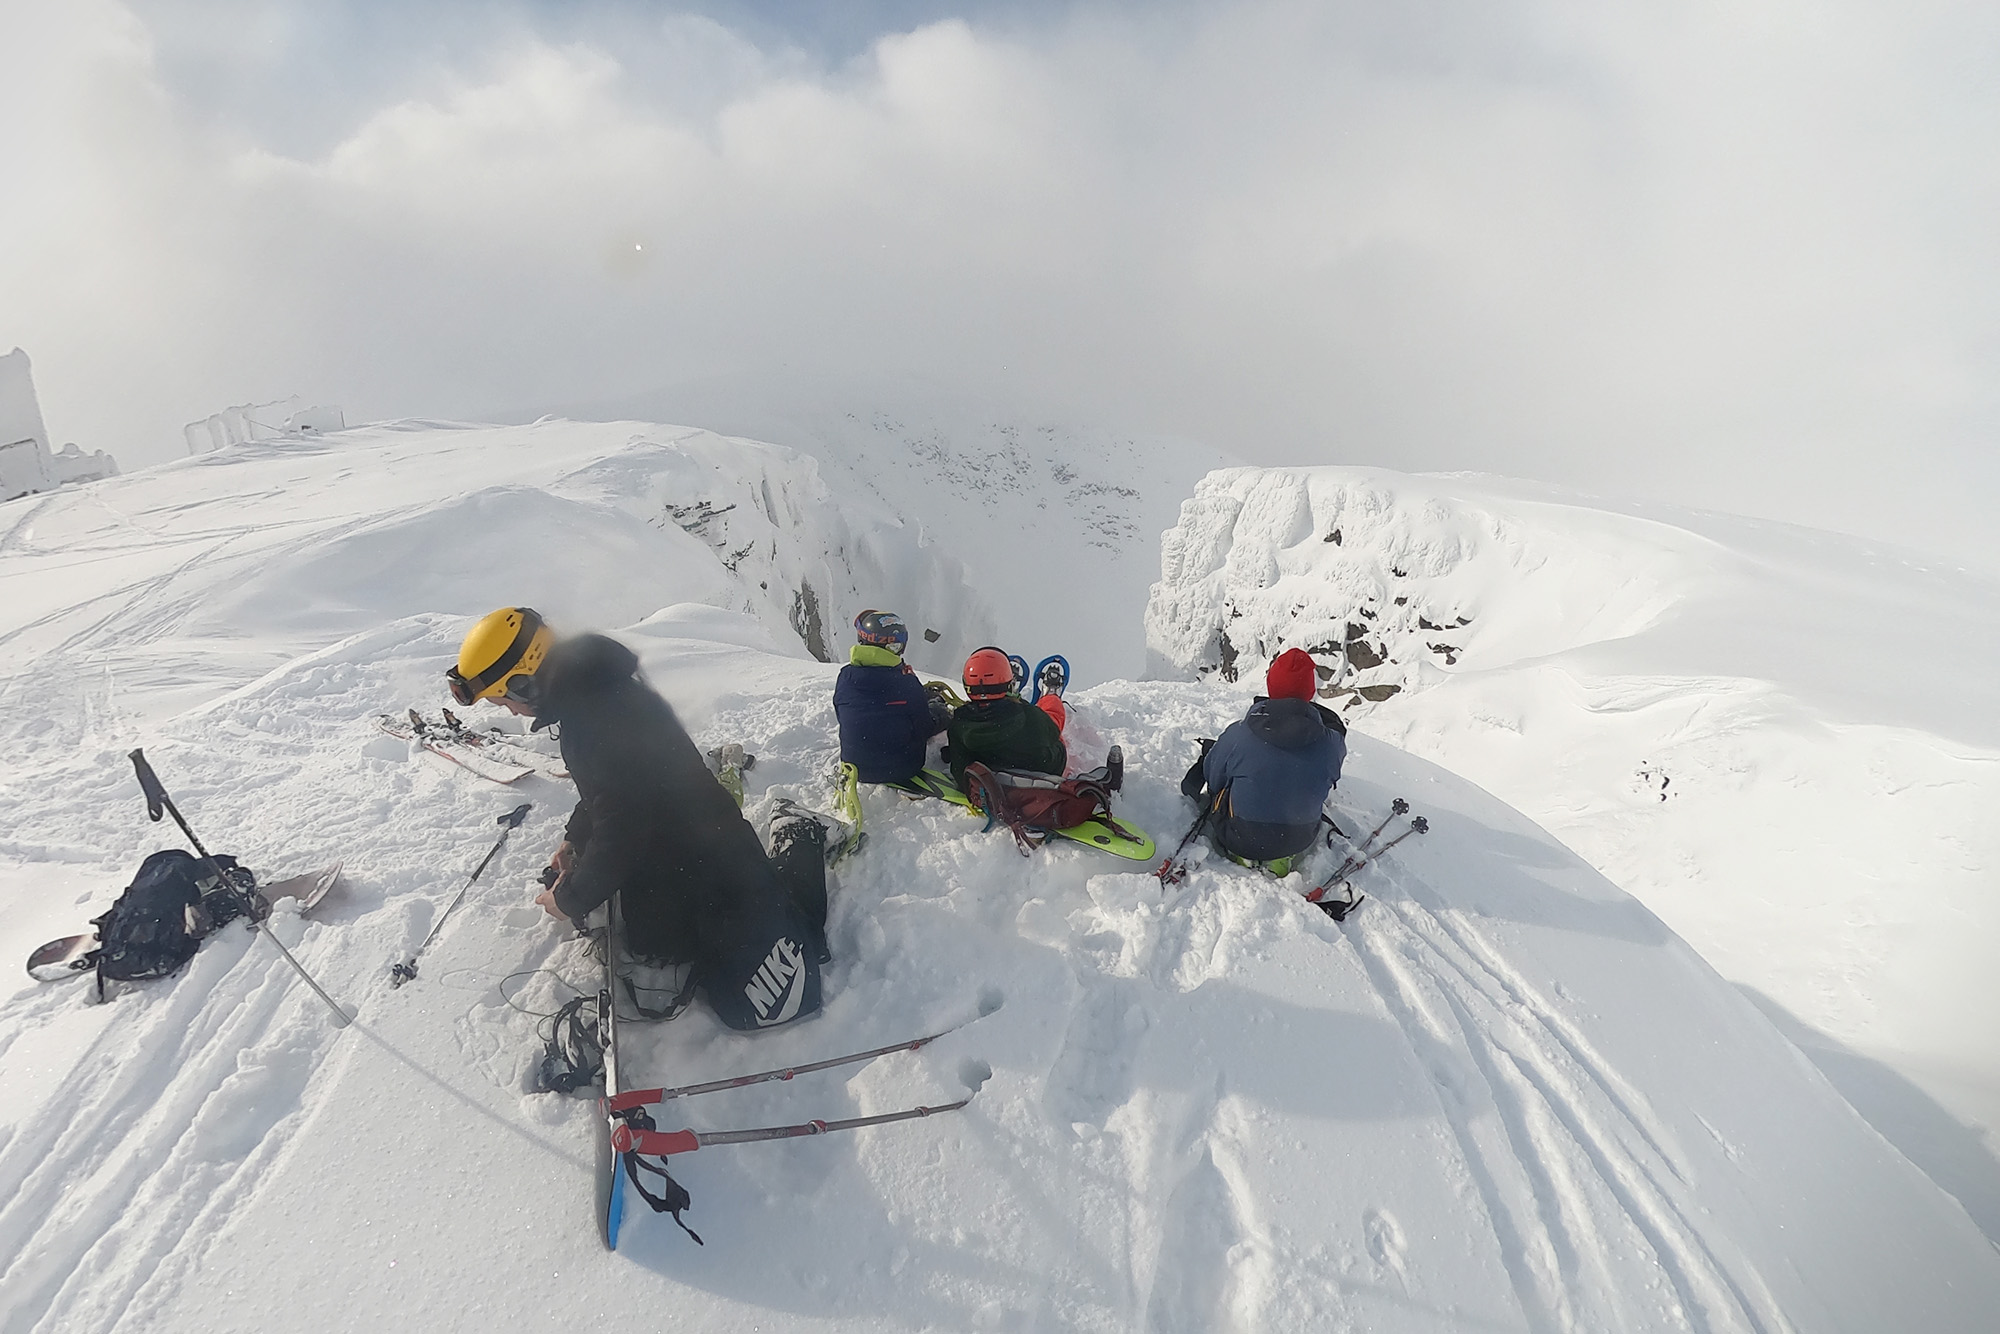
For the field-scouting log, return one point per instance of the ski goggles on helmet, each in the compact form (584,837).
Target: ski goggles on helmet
(502,671)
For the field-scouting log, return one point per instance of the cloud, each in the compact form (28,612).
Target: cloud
(1723,257)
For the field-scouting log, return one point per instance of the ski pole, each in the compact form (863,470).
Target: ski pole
(1417,826)
(400,973)
(1168,873)
(1350,866)
(157,801)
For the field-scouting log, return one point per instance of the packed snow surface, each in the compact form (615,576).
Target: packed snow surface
(1501,1096)
(1784,742)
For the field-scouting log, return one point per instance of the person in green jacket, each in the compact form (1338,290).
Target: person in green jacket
(999,729)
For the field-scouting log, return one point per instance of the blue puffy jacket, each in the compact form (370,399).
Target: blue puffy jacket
(1279,763)
(885,716)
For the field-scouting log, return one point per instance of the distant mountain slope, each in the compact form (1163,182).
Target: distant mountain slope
(1060,524)
(1785,742)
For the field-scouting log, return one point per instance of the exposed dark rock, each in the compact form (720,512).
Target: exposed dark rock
(806,620)
(1226,658)
(1334,537)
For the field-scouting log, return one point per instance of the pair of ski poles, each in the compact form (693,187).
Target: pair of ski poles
(1361,855)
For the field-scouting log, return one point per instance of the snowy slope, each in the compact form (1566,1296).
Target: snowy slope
(1502,1096)
(1059,524)
(1784,742)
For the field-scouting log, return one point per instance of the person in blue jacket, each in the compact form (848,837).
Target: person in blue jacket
(886,716)
(1269,775)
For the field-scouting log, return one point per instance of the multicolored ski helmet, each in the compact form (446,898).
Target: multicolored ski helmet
(988,674)
(500,656)
(883,629)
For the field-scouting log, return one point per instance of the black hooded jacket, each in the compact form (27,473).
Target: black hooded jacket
(650,819)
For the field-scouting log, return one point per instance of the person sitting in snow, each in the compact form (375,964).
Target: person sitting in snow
(1265,782)
(653,829)
(886,716)
(999,729)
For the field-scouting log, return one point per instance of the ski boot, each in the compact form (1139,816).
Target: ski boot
(729,763)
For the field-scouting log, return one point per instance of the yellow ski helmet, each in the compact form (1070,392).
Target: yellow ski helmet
(500,656)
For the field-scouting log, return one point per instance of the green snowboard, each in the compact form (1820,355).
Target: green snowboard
(1091,833)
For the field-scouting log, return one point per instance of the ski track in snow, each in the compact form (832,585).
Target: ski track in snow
(1576,1139)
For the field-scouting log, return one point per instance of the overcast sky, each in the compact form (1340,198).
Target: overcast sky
(1738,256)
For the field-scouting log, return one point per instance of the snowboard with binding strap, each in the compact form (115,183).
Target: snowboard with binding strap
(74,956)
(1090,834)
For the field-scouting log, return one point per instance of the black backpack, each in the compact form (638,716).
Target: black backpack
(171,905)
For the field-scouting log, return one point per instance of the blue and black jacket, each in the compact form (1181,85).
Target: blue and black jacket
(885,716)
(1278,765)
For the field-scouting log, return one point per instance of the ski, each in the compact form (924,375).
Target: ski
(664,1143)
(439,741)
(73,956)
(308,889)
(500,745)
(648,1097)
(611,1167)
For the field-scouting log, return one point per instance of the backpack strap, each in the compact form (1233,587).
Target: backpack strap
(989,794)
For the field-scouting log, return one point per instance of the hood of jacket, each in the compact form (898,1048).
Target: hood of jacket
(1288,724)
(578,667)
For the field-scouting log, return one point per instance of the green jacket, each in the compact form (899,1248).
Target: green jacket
(1007,733)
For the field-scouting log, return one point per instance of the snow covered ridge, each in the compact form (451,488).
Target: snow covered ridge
(1786,743)
(1387,580)
(147,593)
(1059,525)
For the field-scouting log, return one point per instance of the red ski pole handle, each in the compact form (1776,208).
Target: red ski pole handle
(657,1143)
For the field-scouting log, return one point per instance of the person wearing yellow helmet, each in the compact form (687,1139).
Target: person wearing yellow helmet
(499,659)
(653,827)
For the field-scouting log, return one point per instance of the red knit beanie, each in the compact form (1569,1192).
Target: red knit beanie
(1292,676)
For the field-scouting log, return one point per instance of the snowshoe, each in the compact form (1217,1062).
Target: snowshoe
(1051,676)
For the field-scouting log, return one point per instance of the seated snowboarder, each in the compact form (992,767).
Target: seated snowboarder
(999,729)
(1268,777)
(654,828)
(886,716)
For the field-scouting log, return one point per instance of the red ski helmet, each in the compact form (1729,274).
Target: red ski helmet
(1292,676)
(883,629)
(988,674)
